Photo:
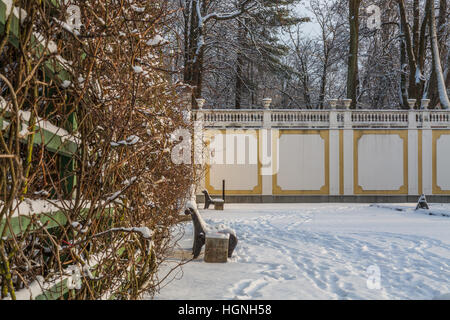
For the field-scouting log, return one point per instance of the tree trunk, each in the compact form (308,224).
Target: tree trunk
(447,81)
(403,89)
(323,79)
(416,25)
(410,51)
(352,68)
(441,88)
(239,67)
(323,84)
(193,55)
(441,35)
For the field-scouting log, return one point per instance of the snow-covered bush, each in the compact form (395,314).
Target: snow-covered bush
(120,193)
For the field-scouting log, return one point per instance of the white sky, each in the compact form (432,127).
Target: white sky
(310,29)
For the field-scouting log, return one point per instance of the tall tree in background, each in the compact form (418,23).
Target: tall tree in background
(259,40)
(235,52)
(324,13)
(439,36)
(303,52)
(379,59)
(352,69)
(197,14)
(318,56)
(413,52)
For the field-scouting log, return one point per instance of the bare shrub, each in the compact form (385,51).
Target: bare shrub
(108,83)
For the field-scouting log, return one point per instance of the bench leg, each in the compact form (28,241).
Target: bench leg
(232,244)
(199,241)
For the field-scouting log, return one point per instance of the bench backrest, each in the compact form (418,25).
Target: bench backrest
(207,196)
(199,223)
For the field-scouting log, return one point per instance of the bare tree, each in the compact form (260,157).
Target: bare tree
(352,68)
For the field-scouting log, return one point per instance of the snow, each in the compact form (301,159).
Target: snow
(191,204)
(320,251)
(42,193)
(144,231)
(18,12)
(138,69)
(137,9)
(8,5)
(24,132)
(437,210)
(51,45)
(44,124)
(69,27)
(156,40)
(114,196)
(33,290)
(40,285)
(419,76)
(131,140)
(217,235)
(29,207)
(65,84)
(76,225)
(130,181)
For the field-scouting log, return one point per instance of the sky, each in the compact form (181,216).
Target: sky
(310,29)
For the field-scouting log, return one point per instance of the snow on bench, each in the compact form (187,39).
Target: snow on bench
(202,230)
(218,203)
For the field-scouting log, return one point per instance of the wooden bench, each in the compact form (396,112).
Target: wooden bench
(218,203)
(201,229)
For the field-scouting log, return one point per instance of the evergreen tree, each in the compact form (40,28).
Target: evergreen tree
(259,48)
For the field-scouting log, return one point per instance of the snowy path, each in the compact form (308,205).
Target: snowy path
(306,251)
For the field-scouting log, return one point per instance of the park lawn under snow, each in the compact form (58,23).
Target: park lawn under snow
(321,251)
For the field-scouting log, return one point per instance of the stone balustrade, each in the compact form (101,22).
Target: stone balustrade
(322,119)
(282,118)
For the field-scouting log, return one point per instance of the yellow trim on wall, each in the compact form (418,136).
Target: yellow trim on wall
(341,162)
(325,190)
(403,134)
(436,135)
(256,190)
(420,161)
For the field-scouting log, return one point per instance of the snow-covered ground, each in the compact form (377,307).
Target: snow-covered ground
(322,251)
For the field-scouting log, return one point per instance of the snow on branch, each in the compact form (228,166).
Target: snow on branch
(217,16)
(143,231)
(131,140)
(115,195)
(226,16)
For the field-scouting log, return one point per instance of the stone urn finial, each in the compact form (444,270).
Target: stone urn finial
(411,103)
(425,103)
(347,103)
(332,103)
(266,103)
(200,103)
